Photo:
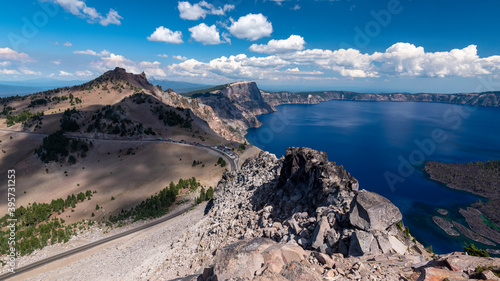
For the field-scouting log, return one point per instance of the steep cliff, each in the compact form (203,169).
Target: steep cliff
(481,99)
(230,110)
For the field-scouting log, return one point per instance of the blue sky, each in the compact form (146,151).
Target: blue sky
(371,46)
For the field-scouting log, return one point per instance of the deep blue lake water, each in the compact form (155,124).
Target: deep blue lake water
(384,146)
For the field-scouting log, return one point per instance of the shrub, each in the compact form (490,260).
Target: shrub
(473,251)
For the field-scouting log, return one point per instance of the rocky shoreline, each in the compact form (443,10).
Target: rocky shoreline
(480,178)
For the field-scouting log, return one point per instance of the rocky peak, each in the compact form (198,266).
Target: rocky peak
(307,176)
(307,200)
(121,75)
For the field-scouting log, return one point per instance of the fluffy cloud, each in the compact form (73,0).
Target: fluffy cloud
(162,55)
(9,54)
(5,63)
(8,71)
(64,73)
(79,8)
(179,58)
(166,35)
(56,62)
(111,18)
(149,64)
(208,35)
(190,11)
(278,2)
(155,72)
(401,59)
(110,61)
(406,59)
(297,71)
(293,43)
(251,27)
(92,53)
(233,67)
(28,71)
(84,73)
(67,44)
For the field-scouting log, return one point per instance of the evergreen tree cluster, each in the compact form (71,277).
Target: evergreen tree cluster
(171,118)
(205,195)
(35,227)
(221,162)
(56,147)
(157,205)
(21,117)
(68,124)
(112,120)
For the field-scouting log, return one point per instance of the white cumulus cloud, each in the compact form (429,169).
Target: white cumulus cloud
(28,71)
(80,8)
(67,44)
(8,71)
(179,58)
(399,60)
(111,18)
(201,9)
(293,43)
(149,64)
(251,27)
(92,53)
(64,73)
(208,35)
(9,54)
(84,73)
(166,35)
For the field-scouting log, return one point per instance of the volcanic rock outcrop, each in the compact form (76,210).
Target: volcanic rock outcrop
(302,217)
(305,199)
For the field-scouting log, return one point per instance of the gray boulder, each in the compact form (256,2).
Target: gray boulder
(319,233)
(362,243)
(370,211)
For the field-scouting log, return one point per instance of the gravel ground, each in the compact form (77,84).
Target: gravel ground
(138,256)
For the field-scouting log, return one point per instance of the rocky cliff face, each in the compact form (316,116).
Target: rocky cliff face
(481,99)
(229,111)
(247,97)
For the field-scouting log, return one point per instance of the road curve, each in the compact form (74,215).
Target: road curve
(5,276)
(232,162)
(91,245)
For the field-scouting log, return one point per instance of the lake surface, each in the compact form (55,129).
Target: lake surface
(384,146)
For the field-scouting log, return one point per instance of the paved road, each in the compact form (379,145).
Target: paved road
(232,161)
(91,245)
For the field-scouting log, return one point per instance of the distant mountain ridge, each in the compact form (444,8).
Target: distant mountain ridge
(10,90)
(178,86)
(481,99)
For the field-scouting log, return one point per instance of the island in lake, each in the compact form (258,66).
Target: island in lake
(480,178)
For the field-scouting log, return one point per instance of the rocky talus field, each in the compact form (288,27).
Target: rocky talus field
(302,217)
